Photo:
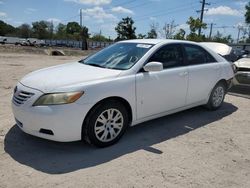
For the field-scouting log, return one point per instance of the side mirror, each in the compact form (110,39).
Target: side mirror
(153,67)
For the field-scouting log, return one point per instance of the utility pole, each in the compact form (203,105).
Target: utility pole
(81,18)
(238,38)
(82,34)
(211,30)
(203,3)
(51,31)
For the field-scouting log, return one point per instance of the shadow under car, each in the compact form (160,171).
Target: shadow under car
(58,158)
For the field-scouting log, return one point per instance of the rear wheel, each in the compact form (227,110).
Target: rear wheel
(105,124)
(217,97)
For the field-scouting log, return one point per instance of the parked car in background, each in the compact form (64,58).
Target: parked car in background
(11,40)
(242,76)
(23,42)
(125,84)
(223,49)
(241,53)
(35,42)
(3,40)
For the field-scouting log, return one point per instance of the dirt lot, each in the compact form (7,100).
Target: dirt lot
(194,148)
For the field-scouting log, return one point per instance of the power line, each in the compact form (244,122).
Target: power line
(140,5)
(128,2)
(173,10)
(120,4)
(164,11)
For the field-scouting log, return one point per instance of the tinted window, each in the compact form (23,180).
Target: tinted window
(169,56)
(197,55)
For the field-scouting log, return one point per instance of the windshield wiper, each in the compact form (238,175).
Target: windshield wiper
(95,65)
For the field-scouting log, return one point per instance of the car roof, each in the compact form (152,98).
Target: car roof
(156,41)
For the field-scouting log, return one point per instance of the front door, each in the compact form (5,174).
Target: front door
(165,90)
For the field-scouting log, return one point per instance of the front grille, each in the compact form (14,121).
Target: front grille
(243,69)
(20,97)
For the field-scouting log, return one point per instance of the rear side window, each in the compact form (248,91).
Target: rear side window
(197,55)
(169,56)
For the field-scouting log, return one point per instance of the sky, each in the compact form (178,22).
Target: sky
(103,15)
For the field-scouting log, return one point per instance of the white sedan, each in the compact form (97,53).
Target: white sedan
(130,82)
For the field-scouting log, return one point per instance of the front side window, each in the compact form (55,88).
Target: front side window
(197,55)
(121,56)
(169,56)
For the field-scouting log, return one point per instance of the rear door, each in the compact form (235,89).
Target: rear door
(203,71)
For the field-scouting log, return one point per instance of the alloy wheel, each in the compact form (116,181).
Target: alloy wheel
(108,125)
(218,96)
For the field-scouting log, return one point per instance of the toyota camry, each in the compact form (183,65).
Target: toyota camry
(127,83)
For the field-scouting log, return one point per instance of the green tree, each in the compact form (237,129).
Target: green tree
(247,20)
(41,29)
(222,39)
(194,25)
(247,14)
(152,34)
(85,32)
(180,35)
(6,29)
(84,37)
(141,36)
(73,28)
(61,31)
(99,37)
(125,29)
(24,31)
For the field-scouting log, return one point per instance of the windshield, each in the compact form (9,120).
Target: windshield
(120,56)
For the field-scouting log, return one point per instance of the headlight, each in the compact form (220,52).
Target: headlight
(234,67)
(58,98)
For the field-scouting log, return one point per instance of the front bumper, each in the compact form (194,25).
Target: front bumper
(242,78)
(64,121)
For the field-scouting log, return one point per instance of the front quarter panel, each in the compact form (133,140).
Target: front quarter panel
(123,87)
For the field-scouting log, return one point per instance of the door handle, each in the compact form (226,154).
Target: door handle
(183,73)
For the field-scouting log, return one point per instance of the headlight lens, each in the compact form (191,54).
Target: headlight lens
(58,98)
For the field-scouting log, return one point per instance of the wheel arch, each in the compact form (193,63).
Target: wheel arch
(113,98)
(224,82)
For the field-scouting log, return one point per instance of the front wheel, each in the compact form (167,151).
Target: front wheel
(105,124)
(216,97)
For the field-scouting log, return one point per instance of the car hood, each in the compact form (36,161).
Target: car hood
(53,78)
(243,63)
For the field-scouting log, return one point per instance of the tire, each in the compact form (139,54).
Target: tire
(217,96)
(102,129)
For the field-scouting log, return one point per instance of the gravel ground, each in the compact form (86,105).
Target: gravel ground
(194,148)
